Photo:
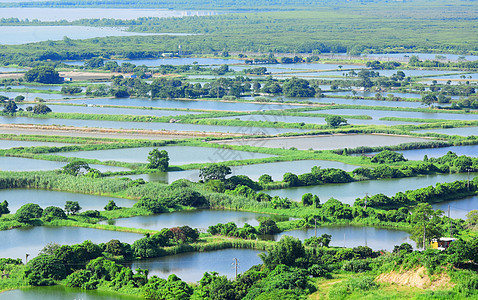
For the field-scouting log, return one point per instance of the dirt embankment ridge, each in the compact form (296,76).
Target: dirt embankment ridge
(416,278)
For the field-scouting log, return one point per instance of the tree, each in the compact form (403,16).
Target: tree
(41,109)
(19,98)
(27,212)
(10,107)
(53,212)
(214,171)
(158,160)
(95,62)
(268,226)
(335,121)
(43,269)
(429,99)
(173,288)
(111,206)
(471,217)
(298,87)
(425,223)
(265,179)
(291,178)
(287,252)
(72,207)
(4,208)
(76,168)
(42,74)
(387,156)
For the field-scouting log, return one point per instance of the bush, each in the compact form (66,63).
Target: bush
(27,212)
(53,212)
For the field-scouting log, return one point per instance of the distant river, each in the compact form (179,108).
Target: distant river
(72,14)
(15,35)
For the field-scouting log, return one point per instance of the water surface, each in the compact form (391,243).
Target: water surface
(149,126)
(16,35)
(327,142)
(276,170)
(191,267)
(178,155)
(458,208)
(185,104)
(350,236)
(17,242)
(463,131)
(27,164)
(348,192)
(6,144)
(200,219)
(59,292)
(72,14)
(18,197)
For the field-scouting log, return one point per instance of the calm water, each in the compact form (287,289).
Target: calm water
(276,170)
(328,142)
(18,197)
(59,292)
(353,101)
(17,242)
(178,155)
(350,236)
(116,111)
(377,114)
(27,164)
(176,61)
(186,104)
(458,208)
(191,267)
(465,131)
(16,35)
(200,219)
(423,56)
(418,154)
(6,69)
(386,94)
(310,120)
(149,126)
(472,76)
(37,87)
(71,14)
(32,96)
(348,192)
(388,73)
(6,144)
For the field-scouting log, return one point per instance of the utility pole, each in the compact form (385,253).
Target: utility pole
(235,263)
(315,220)
(468,179)
(366,198)
(424,236)
(451,223)
(26,257)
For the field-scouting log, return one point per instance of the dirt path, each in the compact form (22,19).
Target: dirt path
(101,132)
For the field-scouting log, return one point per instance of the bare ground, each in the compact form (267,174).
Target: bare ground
(101,132)
(416,278)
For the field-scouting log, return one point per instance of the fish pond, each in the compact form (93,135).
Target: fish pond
(27,164)
(201,219)
(18,197)
(276,170)
(327,142)
(178,155)
(348,192)
(191,266)
(350,236)
(20,241)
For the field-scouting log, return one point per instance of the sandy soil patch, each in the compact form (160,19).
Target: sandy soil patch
(416,278)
